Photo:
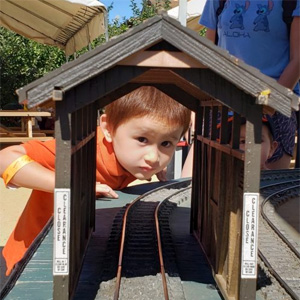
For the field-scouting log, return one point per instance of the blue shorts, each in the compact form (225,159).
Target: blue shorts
(285,131)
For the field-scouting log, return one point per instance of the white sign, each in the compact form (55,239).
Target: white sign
(61,233)
(250,235)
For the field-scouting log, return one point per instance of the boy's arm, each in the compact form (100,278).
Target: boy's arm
(35,176)
(32,175)
(105,190)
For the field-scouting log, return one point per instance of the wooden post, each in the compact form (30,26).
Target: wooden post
(29,126)
(74,208)
(62,202)
(182,12)
(196,170)
(250,214)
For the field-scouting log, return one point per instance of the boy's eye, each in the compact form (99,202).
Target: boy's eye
(142,139)
(166,144)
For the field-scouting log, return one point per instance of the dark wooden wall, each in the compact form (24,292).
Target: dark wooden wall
(217,196)
(75,171)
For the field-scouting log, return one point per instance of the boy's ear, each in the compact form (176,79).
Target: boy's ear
(105,128)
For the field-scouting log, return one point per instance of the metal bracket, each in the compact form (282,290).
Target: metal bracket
(263,97)
(57,94)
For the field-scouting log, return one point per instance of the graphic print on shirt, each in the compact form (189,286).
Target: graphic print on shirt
(234,14)
(237,20)
(261,22)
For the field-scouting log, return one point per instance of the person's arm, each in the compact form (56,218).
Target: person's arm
(162,175)
(105,190)
(32,175)
(187,170)
(291,74)
(210,34)
(35,176)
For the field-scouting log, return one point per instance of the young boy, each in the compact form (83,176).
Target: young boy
(268,144)
(136,139)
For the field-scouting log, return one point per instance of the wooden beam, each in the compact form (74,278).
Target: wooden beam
(27,117)
(179,95)
(165,76)
(169,59)
(24,139)
(102,88)
(18,113)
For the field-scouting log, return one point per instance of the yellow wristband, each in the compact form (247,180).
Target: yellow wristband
(14,167)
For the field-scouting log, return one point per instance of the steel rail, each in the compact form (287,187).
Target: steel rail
(270,223)
(160,254)
(282,237)
(160,251)
(277,276)
(123,234)
(119,272)
(280,172)
(278,184)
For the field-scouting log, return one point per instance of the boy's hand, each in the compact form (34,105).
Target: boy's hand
(105,190)
(162,175)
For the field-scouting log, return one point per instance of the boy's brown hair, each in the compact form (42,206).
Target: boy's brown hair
(147,101)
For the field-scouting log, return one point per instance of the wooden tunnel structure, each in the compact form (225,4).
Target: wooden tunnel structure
(162,53)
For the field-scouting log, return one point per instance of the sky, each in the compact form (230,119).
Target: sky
(121,8)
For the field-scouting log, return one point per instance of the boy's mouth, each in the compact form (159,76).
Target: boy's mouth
(147,169)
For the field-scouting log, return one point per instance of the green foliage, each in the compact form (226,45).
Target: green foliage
(202,32)
(148,10)
(118,26)
(23,61)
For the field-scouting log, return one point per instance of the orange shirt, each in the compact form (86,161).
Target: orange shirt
(39,208)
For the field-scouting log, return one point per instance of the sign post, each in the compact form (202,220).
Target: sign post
(61,233)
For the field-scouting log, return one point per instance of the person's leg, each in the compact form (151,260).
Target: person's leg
(187,170)
(285,132)
(297,163)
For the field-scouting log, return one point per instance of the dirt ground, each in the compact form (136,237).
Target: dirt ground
(12,203)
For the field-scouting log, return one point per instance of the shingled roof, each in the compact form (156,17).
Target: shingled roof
(162,52)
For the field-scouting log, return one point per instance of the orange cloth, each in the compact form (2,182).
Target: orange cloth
(39,207)
(108,169)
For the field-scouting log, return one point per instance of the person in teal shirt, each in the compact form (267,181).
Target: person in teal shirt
(255,32)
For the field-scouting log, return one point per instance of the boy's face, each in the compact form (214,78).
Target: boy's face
(143,146)
(268,146)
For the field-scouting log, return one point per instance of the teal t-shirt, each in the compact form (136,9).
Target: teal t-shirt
(253,31)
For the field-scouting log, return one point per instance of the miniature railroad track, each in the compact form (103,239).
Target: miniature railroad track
(141,262)
(145,242)
(140,218)
(146,251)
(278,259)
(278,250)
(269,178)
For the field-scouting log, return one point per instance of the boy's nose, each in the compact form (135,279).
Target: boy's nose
(152,157)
